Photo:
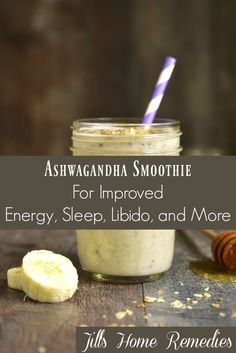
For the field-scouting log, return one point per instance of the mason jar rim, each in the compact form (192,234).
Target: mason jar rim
(123,121)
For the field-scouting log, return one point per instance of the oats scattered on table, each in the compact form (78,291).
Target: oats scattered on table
(146,316)
(150,299)
(159,324)
(222,314)
(189,307)
(206,295)
(198,295)
(194,302)
(120,315)
(215,305)
(177,304)
(206,289)
(129,312)
(176,292)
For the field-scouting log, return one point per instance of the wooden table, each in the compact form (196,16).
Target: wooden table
(37,327)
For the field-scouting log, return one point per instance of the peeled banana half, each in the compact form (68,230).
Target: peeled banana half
(45,276)
(14,278)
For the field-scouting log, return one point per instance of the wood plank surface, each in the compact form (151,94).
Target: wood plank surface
(31,325)
(181,283)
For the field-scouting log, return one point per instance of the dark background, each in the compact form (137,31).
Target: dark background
(66,59)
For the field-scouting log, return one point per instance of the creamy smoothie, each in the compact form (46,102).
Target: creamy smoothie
(125,255)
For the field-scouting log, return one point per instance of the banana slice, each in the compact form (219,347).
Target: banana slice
(14,278)
(48,277)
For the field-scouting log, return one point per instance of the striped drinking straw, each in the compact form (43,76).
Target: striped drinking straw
(159,90)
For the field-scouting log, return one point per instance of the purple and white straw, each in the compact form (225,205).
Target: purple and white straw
(159,90)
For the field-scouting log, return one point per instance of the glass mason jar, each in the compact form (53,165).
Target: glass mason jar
(125,256)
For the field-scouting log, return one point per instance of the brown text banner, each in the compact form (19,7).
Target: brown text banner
(118,192)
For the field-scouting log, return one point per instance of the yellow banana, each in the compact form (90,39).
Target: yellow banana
(45,276)
(14,278)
